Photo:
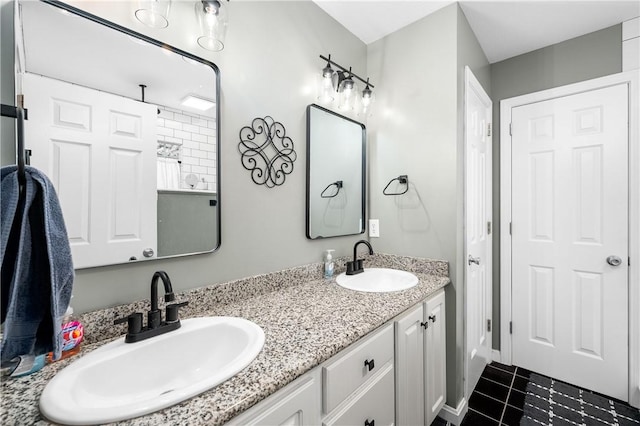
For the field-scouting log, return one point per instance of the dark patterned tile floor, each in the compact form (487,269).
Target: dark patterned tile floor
(507,395)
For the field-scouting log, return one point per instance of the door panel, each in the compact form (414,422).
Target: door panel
(106,148)
(569,213)
(478,240)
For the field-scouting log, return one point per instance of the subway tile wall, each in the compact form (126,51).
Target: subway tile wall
(197,136)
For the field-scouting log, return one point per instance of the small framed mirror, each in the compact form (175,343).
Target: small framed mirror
(126,128)
(336,158)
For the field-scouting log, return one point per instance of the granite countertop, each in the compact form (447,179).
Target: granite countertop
(305,320)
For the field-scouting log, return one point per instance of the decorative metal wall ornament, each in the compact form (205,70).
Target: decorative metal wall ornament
(266,151)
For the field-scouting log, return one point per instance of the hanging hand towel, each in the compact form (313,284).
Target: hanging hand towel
(37,269)
(168,173)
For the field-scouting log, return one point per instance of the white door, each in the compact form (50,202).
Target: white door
(99,150)
(569,216)
(478,287)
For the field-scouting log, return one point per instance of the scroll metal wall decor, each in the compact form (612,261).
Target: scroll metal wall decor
(266,151)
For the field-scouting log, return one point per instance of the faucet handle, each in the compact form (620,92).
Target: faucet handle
(134,322)
(354,267)
(172,311)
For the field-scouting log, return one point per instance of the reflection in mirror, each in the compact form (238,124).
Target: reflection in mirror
(127,130)
(335,174)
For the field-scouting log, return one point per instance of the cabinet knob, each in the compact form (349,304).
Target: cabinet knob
(432,318)
(370,423)
(370,364)
(424,325)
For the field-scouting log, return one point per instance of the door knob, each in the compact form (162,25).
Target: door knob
(148,252)
(475,260)
(614,260)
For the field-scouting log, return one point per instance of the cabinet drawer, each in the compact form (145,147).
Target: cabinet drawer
(348,371)
(373,405)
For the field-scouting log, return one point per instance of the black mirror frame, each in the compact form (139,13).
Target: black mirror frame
(214,67)
(364,172)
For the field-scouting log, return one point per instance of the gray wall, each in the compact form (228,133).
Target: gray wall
(416,130)
(187,222)
(590,56)
(7,93)
(268,67)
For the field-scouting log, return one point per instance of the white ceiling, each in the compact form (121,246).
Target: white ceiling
(503,28)
(65,47)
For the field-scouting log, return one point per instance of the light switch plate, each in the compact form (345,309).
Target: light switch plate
(374,228)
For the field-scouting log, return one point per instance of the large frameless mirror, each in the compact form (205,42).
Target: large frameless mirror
(126,128)
(335,174)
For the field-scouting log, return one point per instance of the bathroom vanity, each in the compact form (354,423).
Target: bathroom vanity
(312,368)
(357,385)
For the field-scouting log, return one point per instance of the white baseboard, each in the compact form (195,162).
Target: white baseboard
(495,355)
(455,415)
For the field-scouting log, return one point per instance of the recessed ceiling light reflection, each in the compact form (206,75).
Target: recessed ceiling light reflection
(196,102)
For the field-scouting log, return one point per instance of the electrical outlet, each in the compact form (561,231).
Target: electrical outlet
(374,228)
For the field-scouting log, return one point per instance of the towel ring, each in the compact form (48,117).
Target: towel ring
(402,179)
(338,185)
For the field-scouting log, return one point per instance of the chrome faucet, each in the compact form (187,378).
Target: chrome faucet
(355,266)
(155,325)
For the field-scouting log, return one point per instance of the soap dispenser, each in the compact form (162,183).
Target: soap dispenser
(328,264)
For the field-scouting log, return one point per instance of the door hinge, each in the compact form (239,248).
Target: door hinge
(629,260)
(510,129)
(488,129)
(488,228)
(489,325)
(510,229)
(510,327)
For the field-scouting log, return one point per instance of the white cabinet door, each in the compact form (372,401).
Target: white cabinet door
(421,363)
(410,368)
(297,404)
(99,150)
(435,356)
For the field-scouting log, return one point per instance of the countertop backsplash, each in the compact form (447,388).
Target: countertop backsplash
(98,325)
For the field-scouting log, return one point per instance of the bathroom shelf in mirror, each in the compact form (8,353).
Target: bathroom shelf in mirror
(186,191)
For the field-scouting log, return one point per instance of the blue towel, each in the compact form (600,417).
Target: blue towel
(37,270)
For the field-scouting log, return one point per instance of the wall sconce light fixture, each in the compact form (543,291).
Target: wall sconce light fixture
(211,15)
(347,89)
(153,13)
(325,90)
(213,19)
(342,83)
(366,100)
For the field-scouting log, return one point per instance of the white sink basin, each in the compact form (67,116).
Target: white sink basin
(120,380)
(378,280)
